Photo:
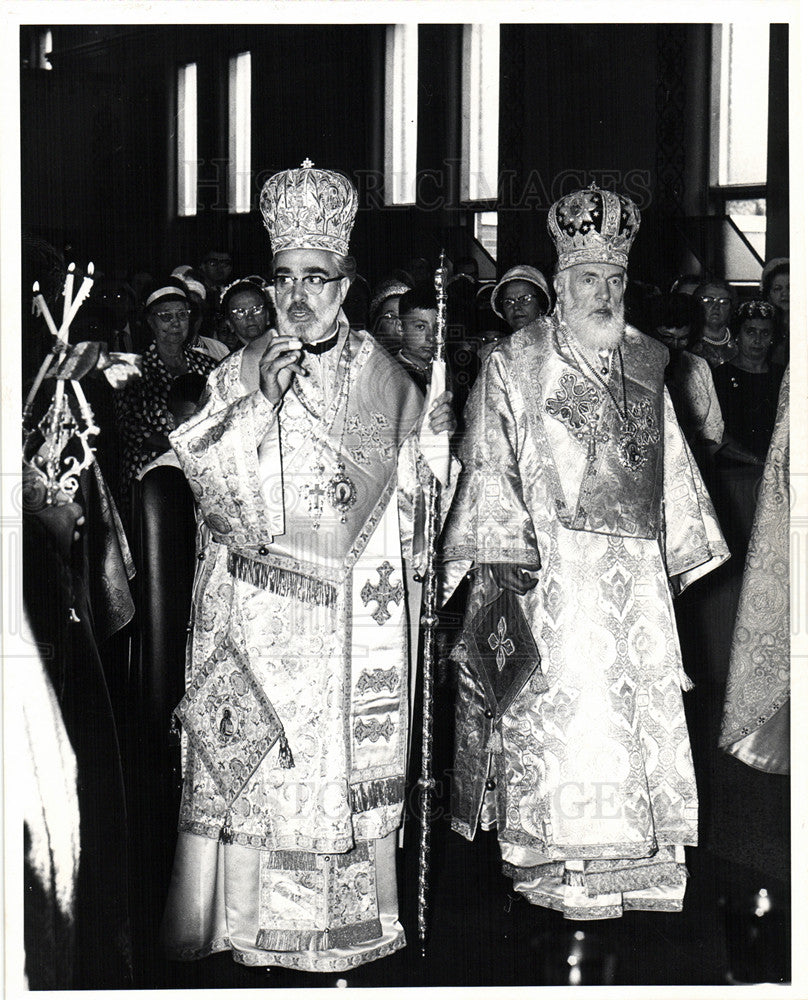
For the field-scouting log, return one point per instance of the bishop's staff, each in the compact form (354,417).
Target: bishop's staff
(435,449)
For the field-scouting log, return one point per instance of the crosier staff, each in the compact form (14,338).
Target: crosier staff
(438,462)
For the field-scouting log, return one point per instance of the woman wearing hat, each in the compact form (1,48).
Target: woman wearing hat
(383,313)
(246,310)
(142,414)
(520,296)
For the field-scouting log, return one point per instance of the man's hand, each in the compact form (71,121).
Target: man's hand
(441,416)
(278,366)
(519,579)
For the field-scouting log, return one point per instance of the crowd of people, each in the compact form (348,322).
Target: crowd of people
(575,404)
(726,357)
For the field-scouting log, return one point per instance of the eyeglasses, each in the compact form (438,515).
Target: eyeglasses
(247,311)
(390,317)
(218,262)
(311,282)
(179,315)
(709,300)
(522,300)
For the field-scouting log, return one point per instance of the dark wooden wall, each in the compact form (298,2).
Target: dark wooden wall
(624,105)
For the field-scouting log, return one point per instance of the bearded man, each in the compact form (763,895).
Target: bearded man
(305,464)
(580,510)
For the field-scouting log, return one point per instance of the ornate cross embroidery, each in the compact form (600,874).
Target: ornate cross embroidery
(383,595)
(370,438)
(374,730)
(575,403)
(377,680)
(639,432)
(501,644)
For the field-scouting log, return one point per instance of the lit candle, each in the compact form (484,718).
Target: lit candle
(68,292)
(41,305)
(83,292)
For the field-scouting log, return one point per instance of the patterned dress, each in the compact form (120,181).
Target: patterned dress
(587,774)
(141,411)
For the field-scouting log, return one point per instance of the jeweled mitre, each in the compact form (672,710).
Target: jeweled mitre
(309,209)
(593,226)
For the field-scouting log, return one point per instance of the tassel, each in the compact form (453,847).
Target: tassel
(226,832)
(285,758)
(684,681)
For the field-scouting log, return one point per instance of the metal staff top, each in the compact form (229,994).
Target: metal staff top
(441,295)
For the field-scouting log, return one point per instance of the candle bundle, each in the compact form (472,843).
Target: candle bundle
(59,425)
(70,305)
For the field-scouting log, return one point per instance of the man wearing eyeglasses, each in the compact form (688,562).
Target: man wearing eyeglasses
(305,465)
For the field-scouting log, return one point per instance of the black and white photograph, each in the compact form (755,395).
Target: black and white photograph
(402,563)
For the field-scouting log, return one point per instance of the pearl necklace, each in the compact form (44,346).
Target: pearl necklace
(717,343)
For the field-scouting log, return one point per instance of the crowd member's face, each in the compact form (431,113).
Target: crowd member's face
(715,304)
(387,326)
(168,321)
(779,292)
(418,335)
(305,310)
(247,315)
(755,339)
(520,303)
(218,267)
(674,337)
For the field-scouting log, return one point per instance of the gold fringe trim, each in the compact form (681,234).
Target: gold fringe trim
(281,581)
(381,792)
(299,940)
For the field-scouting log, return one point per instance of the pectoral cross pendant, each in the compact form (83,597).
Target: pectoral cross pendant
(315,495)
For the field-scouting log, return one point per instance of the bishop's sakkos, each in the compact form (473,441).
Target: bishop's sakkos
(306,465)
(582,512)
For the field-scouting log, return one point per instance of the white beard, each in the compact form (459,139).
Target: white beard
(594,331)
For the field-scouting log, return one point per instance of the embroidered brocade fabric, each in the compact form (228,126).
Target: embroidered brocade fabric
(690,384)
(758,685)
(317,612)
(595,761)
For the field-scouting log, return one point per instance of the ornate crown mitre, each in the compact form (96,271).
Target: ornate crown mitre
(593,226)
(308,209)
